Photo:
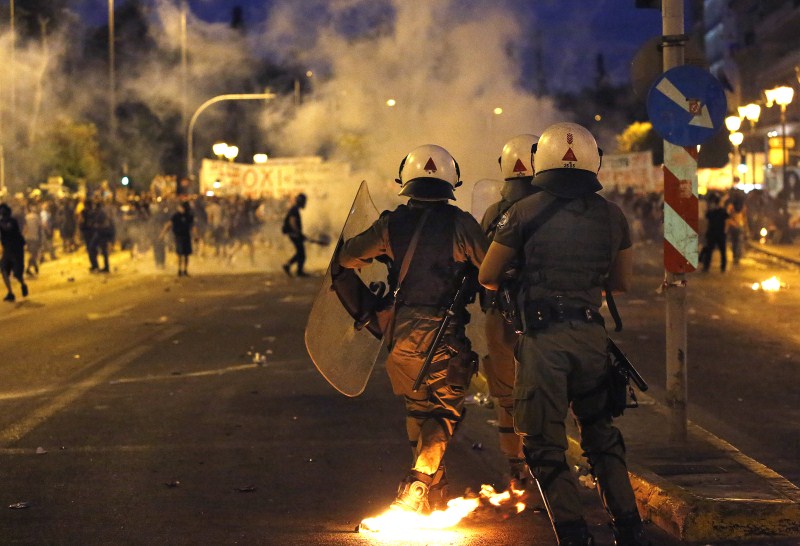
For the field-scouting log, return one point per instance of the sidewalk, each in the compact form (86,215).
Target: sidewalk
(703,490)
(789,253)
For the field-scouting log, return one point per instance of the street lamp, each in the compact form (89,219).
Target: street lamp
(751,112)
(260,159)
(732,123)
(219,149)
(782,96)
(231,152)
(736,139)
(201,108)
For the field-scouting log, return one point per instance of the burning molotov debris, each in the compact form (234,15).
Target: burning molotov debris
(487,504)
(773,284)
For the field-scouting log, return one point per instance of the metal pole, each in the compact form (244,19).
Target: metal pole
(675,283)
(184,63)
(783,167)
(206,104)
(13,56)
(112,77)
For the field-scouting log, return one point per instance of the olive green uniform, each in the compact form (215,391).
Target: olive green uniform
(432,412)
(498,364)
(563,358)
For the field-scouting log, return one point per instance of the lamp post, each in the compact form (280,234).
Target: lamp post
(782,96)
(736,139)
(733,123)
(751,112)
(206,104)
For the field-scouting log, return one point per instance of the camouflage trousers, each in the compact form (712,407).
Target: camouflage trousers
(434,411)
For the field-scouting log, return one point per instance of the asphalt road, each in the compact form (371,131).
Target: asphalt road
(132,411)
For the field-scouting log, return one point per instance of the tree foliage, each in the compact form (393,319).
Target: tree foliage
(71,150)
(640,136)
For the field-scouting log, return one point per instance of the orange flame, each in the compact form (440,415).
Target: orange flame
(773,284)
(396,521)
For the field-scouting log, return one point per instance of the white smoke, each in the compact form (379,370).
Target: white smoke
(448,65)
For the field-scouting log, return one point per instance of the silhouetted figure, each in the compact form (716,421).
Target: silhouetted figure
(293,228)
(13,258)
(715,234)
(182,226)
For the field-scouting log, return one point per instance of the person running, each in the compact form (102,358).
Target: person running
(429,244)
(293,228)
(13,258)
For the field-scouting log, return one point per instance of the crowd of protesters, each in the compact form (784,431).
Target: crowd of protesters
(727,220)
(226,228)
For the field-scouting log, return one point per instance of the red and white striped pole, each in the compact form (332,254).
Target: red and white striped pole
(680,236)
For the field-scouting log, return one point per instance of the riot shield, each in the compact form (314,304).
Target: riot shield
(484,193)
(344,354)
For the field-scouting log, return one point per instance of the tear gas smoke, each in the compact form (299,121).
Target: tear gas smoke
(447,64)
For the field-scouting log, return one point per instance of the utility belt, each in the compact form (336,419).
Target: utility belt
(539,314)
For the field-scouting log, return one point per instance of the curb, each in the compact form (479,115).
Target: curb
(692,517)
(773,254)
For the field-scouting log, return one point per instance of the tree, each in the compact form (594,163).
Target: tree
(70,150)
(640,136)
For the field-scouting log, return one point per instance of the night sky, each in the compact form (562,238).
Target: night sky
(570,32)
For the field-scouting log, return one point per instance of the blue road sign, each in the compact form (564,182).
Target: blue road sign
(686,105)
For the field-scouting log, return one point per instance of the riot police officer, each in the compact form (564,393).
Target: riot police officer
(574,245)
(428,243)
(498,365)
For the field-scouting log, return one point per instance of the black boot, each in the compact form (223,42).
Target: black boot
(629,531)
(438,494)
(412,493)
(573,533)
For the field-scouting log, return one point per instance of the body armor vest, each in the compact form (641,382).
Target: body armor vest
(570,254)
(429,280)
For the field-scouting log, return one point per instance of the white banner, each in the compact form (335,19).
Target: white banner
(277,178)
(633,170)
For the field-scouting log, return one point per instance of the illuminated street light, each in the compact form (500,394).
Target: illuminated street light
(736,138)
(391,102)
(498,111)
(231,152)
(751,112)
(733,123)
(219,149)
(260,159)
(190,131)
(782,96)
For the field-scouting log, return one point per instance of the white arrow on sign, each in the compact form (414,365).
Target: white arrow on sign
(674,94)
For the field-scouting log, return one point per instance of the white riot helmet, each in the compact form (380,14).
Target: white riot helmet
(429,173)
(516,159)
(567,146)
(567,160)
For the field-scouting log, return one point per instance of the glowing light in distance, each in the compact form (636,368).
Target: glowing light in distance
(260,158)
(391,102)
(125,181)
(497,111)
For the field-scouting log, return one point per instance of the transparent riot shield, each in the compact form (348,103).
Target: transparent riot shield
(343,353)
(484,193)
